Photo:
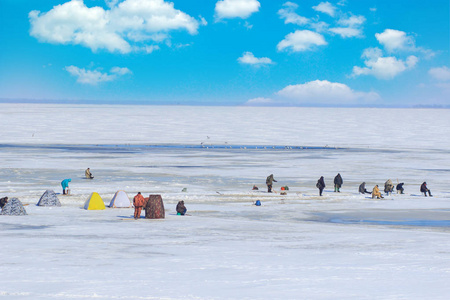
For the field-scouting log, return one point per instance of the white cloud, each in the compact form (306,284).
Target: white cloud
(352,21)
(317,92)
(260,101)
(301,40)
(228,9)
(120,71)
(325,92)
(250,59)
(94,77)
(441,74)
(115,29)
(346,32)
(393,40)
(290,16)
(383,67)
(326,8)
(349,27)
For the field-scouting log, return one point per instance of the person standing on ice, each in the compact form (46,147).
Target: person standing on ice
(376,192)
(388,187)
(424,189)
(269,183)
(338,183)
(362,189)
(320,185)
(138,202)
(65,185)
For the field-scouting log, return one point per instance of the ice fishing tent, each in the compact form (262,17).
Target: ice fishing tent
(49,198)
(154,209)
(13,208)
(120,199)
(94,202)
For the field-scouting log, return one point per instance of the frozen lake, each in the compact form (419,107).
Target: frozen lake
(295,246)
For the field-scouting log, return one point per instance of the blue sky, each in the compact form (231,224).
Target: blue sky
(227,52)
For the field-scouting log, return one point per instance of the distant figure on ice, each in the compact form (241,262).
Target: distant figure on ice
(138,202)
(320,185)
(88,174)
(3,201)
(388,187)
(376,192)
(362,189)
(424,189)
(181,209)
(269,183)
(400,188)
(338,183)
(65,185)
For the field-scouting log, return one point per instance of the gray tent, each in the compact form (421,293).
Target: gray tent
(49,198)
(13,208)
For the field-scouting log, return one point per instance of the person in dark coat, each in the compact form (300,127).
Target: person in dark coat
(269,183)
(320,185)
(362,189)
(181,209)
(400,188)
(424,189)
(338,183)
(3,201)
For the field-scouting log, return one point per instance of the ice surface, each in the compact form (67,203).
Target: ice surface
(297,246)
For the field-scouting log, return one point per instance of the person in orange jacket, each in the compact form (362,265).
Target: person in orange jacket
(138,202)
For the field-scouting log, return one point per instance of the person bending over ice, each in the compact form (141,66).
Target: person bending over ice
(362,189)
(388,187)
(400,188)
(65,185)
(88,174)
(181,209)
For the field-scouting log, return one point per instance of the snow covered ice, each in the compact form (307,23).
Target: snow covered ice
(298,246)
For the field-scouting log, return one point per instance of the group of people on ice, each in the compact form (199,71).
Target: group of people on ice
(338,182)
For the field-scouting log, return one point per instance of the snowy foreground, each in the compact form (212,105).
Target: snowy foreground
(295,246)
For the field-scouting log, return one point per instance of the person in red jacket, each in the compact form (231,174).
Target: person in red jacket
(138,203)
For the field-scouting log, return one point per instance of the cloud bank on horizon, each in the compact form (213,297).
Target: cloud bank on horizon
(325,53)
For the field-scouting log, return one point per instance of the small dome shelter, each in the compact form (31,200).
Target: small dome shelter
(154,209)
(49,198)
(94,202)
(119,200)
(13,208)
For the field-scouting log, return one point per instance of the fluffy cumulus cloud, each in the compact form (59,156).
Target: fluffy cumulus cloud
(440,74)
(228,9)
(122,28)
(326,93)
(250,59)
(383,67)
(94,77)
(394,40)
(326,8)
(290,16)
(317,92)
(301,40)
